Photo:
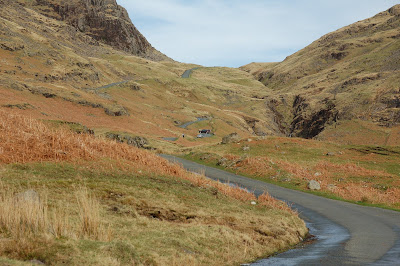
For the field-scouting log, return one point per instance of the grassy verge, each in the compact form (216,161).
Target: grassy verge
(144,219)
(366,175)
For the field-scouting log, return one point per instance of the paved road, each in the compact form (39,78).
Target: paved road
(348,234)
(188,72)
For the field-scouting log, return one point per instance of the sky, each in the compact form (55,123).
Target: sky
(233,33)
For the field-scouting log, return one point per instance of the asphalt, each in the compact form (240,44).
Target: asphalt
(347,234)
(188,72)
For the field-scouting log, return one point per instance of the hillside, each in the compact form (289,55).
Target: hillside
(66,195)
(105,21)
(74,74)
(53,71)
(348,80)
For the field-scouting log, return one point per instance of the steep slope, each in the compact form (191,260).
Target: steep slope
(352,74)
(103,20)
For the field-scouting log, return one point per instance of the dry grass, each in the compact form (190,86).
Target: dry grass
(24,216)
(26,140)
(126,180)
(91,225)
(348,174)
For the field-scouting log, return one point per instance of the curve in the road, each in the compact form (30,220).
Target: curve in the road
(188,73)
(348,234)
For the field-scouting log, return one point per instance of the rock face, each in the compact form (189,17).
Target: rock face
(103,20)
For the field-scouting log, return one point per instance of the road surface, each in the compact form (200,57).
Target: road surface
(188,72)
(348,234)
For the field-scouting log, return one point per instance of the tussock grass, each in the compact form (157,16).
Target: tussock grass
(90,218)
(23,216)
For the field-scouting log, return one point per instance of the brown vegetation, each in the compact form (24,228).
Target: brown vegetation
(26,140)
(117,203)
(360,173)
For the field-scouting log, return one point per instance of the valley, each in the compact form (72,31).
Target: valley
(87,105)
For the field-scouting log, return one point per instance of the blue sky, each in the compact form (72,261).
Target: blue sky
(236,32)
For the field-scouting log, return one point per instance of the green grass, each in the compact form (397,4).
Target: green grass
(307,155)
(153,219)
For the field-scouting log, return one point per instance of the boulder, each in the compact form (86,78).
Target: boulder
(231,138)
(314,185)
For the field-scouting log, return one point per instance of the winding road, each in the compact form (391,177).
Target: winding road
(188,73)
(347,234)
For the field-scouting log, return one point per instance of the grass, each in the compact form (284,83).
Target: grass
(361,174)
(106,203)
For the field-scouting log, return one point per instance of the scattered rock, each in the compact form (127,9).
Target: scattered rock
(330,154)
(231,138)
(135,87)
(222,162)
(36,262)
(205,156)
(23,106)
(138,142)
(116,111)
(317,174)
(314,185)
(246,148)
(11,46)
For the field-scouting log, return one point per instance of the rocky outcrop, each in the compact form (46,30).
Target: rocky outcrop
(308,123)
(231,138)
(103,20)
(347,75)
(138,142)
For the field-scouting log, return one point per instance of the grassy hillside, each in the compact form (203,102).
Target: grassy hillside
(98,202)
(348,75)
(51,71)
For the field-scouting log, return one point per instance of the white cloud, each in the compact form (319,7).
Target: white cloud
(236,32)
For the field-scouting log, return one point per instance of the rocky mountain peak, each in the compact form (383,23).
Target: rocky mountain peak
(103,20)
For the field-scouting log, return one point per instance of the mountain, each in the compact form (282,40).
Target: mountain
(55,65)
(103,20)
(347,77)
(60,62)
